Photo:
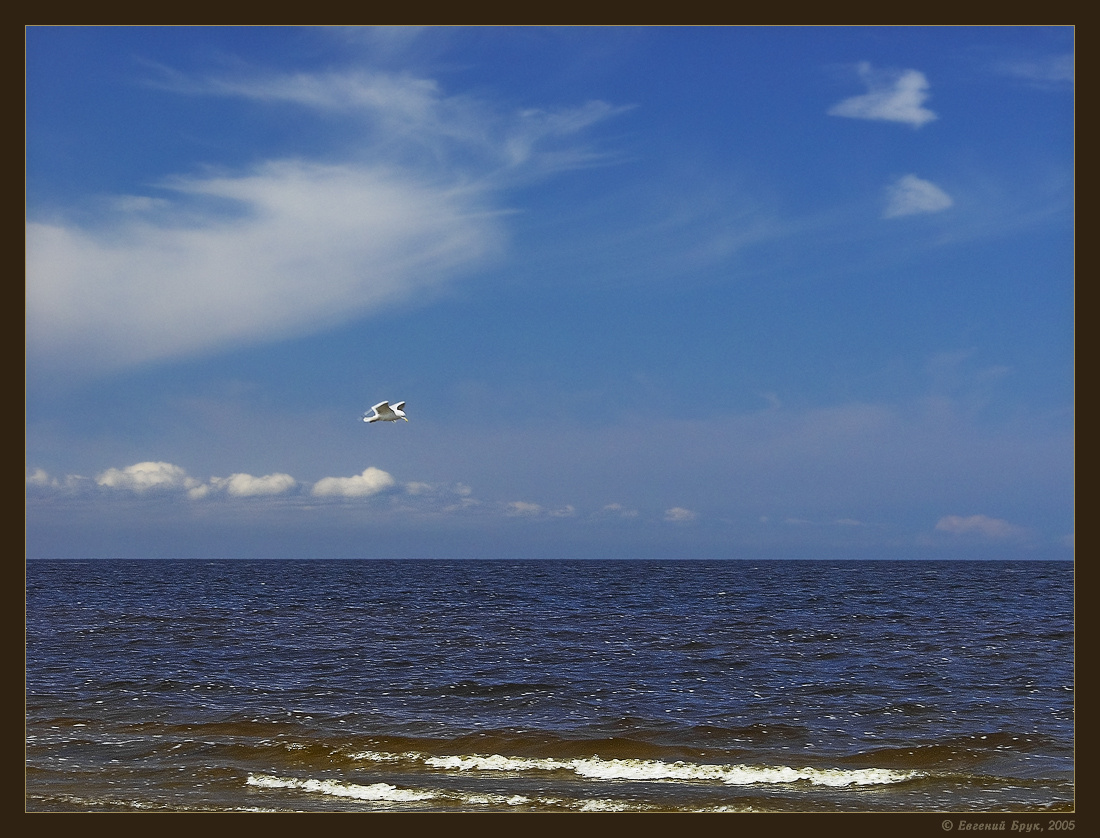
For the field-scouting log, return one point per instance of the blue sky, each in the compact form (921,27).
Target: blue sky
(647,292)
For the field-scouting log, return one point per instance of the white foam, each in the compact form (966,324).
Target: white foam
(379,756)
(386,793)
(383,791)
(734,775)
(375,791)
(493,799)
(657,770)
(495,762)
(606,806)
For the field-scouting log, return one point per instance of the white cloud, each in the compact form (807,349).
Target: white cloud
(680,515)
(149,476)
(979,525)
(39,477)
(399,98)
(891,96)
(438,497)
(245,485)
(910,195)
(406,115)
(41,483)
(370,482)
(619,510)
(523,509)
(312,245)
(1045,71)
(290,246)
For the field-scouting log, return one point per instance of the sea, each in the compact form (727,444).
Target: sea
(550,686)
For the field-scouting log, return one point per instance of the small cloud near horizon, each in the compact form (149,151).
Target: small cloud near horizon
(370,482)
(979,525)
(617,509)
(245,485)
(679,515)
(147,476)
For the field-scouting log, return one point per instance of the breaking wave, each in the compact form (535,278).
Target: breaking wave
(654,770)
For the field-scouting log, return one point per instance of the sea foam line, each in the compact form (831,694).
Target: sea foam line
(375,791)
(384,792)
(643,769)
(381,791)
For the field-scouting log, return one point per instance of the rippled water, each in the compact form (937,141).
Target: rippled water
(550,686)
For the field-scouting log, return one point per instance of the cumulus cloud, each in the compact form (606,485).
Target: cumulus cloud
(678,514)
(370,482)
(979,525)
(142,478)
(910,195)
(146,477)
(290,246)
(246,486)
(891,96)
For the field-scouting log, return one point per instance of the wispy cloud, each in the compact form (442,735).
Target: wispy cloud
(144,290)
(39,480)
(910,195)
(979,525)
(292,245)
(617,510)
(523,509)
(38,477)
(412,120)
(679,515)
(891,96)
(1047,71)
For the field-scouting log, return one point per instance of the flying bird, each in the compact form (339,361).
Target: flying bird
(384,413)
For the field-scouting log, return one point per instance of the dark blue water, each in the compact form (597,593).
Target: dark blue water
(550,686)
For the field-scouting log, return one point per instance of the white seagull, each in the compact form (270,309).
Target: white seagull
(384,413)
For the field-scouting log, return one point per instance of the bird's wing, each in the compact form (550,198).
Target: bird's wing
(382,409)
(399,406)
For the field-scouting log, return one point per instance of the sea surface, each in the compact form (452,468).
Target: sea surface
(549,686)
